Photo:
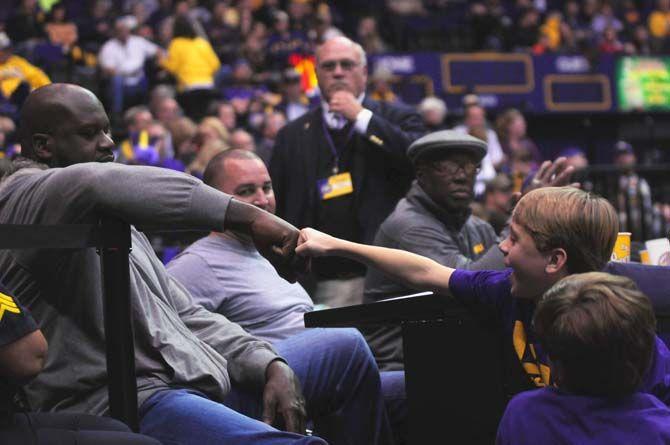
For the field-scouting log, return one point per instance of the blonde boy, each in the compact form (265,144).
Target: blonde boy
(555,232)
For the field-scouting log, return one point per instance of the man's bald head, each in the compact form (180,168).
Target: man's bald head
(46,108)
(216,167)
(243,174)
(59,114)
(50,101)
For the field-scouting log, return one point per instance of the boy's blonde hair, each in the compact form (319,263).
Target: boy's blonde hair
(599,332)
(583,224)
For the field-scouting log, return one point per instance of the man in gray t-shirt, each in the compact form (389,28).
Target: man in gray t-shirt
(225,273)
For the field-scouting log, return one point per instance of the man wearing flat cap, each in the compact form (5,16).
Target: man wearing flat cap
(433,220)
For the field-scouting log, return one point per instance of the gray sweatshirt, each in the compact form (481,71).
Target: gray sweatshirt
(177,343)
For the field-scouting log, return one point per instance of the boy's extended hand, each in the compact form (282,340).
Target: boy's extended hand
(313,243)
(274,238)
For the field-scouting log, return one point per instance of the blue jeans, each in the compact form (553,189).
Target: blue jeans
(340,382)
(119,91)
(395,399)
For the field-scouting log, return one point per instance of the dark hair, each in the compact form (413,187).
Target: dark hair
(183,27)
(54,8)
(214,170)
(267,117)
(599,332)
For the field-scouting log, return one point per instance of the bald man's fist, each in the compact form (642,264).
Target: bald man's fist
(274,238)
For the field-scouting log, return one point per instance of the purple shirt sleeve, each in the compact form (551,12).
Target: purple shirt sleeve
(490,287)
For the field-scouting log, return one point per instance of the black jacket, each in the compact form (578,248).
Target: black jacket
(381,172)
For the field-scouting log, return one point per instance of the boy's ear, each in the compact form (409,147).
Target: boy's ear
(558,259)
(42,146)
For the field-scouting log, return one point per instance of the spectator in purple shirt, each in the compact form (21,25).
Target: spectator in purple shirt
(598,331)
(283,41)
(554,232)
(242,89)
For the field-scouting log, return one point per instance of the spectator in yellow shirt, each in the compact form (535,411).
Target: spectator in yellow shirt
(17,76)
(193,62)
(659,22)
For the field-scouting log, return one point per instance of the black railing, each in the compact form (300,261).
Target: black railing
(112,238)
(604,180)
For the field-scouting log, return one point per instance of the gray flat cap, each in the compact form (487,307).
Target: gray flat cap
(446,141)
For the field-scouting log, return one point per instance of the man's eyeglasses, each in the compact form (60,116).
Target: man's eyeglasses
(346,64)
(449,167)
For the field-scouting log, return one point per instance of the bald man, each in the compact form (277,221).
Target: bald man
(200,378)
(225,273)
(342,167)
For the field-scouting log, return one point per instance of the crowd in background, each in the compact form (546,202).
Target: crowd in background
(183,80)
(630,27)
(196,86)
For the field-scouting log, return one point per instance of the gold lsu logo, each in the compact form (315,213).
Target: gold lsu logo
(539,373)
(7,304)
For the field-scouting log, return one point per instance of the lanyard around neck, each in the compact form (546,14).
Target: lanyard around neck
(331,144)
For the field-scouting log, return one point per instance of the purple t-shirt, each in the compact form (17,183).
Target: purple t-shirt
(550,416)
(488,287)
(494,288)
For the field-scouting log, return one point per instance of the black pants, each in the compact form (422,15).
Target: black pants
(68,429)
(195,103)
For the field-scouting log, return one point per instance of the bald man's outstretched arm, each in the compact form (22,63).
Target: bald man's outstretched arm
(145,197)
